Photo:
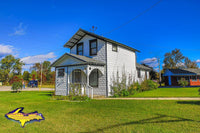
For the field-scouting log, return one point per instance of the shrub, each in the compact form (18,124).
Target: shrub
(119,85)
(134,87)
(17,83)
(16,86)
(183,82)
(123,93)
(75,89)
(148,85)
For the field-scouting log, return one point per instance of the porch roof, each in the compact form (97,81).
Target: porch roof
(139,66)
(84,60)
(181,72)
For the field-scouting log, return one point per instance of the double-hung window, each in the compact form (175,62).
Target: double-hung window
(61,72)
(80,49)
(93,47)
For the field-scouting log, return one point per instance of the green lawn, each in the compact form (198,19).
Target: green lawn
(100,115)
(169,92)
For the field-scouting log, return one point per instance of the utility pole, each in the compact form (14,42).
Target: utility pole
(41,78)
(159,71)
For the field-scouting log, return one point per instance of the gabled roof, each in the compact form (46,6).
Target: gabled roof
(184,71)
(180,71)
(193,70)
(139,66)
(81,33)
(85,60)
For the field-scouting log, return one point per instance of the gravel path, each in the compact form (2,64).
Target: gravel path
(159,98)
(8,88)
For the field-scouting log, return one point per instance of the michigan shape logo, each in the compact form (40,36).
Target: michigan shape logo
(24,118)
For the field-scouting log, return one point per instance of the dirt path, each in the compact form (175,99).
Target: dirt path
(159,98)
(8,88)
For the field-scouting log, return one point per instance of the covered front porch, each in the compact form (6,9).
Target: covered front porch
(75,75)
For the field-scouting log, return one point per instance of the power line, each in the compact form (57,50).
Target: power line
(134,17)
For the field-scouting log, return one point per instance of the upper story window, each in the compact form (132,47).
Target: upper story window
(61,72)
(80,49)
(114,47)
(93,47)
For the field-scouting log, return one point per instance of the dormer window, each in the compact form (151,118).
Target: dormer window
(93,47)
(114,47)
(80,49)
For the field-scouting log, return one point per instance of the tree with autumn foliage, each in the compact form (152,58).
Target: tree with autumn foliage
(48,77)
(175,59)
(10,66)
(17,83)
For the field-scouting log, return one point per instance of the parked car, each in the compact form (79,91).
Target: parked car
(33,83)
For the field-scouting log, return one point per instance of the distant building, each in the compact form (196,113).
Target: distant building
(172,76)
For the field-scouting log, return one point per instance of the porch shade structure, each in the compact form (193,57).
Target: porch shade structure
(77,68)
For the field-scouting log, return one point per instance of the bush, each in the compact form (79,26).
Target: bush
(134,87)
(183,82)
(123,93)
(16,86)
(17,83)
(148,85)
(75,89)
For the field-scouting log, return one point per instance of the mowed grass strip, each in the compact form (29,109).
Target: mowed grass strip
(100,115)
(169,92)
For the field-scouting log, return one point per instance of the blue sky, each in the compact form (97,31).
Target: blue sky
(37,30)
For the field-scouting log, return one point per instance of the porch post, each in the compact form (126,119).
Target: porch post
(87,82)
(169,79)
(67,81)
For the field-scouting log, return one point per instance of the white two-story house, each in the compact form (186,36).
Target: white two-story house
(93,61)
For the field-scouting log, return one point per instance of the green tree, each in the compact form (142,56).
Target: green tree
(33,75)
(10,65)
(46,71)
(173,59)
(26,75)
(190,64)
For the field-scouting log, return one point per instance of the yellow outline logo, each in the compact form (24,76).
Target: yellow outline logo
(18,116)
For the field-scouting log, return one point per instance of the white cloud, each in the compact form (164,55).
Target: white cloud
(38,58)
(198,61)
(152,62)
(149,60)
(19,30)
(5,50)
(180,64)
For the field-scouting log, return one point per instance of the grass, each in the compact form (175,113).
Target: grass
(169,92)
(100,115)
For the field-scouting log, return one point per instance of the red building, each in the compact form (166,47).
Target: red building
(172,76)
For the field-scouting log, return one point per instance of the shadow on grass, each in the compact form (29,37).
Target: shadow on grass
(47,93)
(144,121)
(189,102)
(15,91)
